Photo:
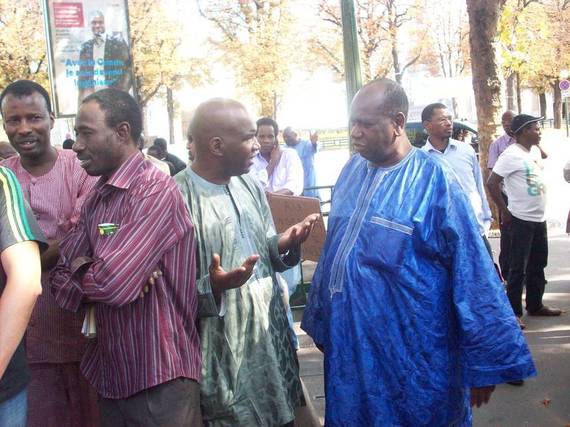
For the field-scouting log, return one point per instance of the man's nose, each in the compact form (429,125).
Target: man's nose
(24,127)
(355,131)
(77,146)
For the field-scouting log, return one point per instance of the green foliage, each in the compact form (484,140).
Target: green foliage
(534,38)
(158,59)
(22,42)
(256,41)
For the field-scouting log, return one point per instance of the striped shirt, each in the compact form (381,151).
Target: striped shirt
(17,225)
(54,335)
(141,342)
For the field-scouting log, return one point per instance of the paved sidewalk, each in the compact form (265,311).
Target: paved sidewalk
(543,401)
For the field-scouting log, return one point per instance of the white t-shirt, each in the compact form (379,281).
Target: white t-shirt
(522,172)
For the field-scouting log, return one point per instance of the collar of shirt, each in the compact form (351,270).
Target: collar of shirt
(505,139)
(125,174)
(452,144)
(261,159)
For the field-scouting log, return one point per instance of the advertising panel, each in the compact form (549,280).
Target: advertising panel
(89,49)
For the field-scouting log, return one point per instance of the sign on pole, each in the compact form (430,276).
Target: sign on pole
(88,50)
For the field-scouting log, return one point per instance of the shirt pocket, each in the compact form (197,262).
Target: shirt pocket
(386,242)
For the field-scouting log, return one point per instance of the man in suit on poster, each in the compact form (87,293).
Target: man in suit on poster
(104,60)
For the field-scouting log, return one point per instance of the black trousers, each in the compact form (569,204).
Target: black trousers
(505,243)
(174,403)
(529,256)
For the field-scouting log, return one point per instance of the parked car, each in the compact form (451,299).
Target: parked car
(418,135)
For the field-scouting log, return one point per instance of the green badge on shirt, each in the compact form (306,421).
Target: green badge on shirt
(107,228)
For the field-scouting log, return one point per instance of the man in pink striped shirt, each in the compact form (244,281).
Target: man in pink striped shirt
(145,360)
(54,185)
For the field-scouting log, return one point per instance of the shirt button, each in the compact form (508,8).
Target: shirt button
(33,181)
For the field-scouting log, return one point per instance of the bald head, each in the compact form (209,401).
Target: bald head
(378,119)
(506,120)
(216,117)
(385,96)
(290,136)
(223,135)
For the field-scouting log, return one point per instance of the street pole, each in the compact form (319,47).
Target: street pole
(351,53)
(567,132)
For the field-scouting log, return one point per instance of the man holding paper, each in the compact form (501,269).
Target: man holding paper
(145,358)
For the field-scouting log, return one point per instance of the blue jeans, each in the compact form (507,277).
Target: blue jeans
(14,411)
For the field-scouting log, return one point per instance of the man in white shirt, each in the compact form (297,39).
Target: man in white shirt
(520,169)
(278,169)
(462,159)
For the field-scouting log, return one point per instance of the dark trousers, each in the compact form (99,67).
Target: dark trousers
(174,403)
(529,256)
(505,250)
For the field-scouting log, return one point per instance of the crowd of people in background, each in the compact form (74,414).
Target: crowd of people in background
(144,300)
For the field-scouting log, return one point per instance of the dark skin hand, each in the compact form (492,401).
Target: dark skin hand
(80,264)
(222,280)
(481,395)
(50,256)
(314,137)
(494,187)
(273,161)
(297,234)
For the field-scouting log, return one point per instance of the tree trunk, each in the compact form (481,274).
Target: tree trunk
(396,60)
(519,102)
(542,102)
(483,18)
(170,110)
(511,92)
(557,105)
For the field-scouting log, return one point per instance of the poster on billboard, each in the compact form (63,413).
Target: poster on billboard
(89,49)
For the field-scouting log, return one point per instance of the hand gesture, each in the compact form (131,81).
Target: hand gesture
(314,137)
(222,280)
(273,161)
(297,234)
(506,218)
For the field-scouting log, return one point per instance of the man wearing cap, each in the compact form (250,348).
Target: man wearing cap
(519,168)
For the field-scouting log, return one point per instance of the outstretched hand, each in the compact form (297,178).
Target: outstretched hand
(222,280)
(297,234)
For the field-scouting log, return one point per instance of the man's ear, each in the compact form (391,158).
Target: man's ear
(400,121)
(216,146)
(51,120)
(124,131)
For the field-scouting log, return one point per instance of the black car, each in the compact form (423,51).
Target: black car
(418,135)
